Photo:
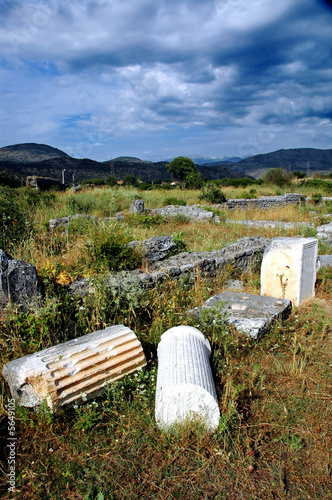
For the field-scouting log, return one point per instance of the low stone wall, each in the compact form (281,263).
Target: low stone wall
(242,255)
(265,202)
(192,212)
(272,224)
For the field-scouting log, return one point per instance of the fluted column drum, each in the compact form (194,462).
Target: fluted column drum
(185,386)
(77,369)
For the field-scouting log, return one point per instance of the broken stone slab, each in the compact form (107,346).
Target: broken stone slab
(19,282)
(289,269)
(75,370)
(158,247)
(137,207)
(249,314)
(185,387)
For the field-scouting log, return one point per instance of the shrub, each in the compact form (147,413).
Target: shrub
(15,222)
(212,194)
(317,183)
(277,176)
(98,182)
(316,198)
(109,250)
(299,175)
(247,195)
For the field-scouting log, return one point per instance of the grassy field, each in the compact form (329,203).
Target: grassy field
(274,440)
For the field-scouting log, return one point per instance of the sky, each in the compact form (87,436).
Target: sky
(156,79)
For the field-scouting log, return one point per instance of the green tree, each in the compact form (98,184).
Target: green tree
(111,180)
(130,180)
(181,168)
(194,180)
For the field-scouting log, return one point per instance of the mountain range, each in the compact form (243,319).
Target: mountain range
(21,160)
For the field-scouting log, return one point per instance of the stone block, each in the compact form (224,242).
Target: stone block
(137,207)
(289,269)
(324,231)
(249,314)
(185,386)
(19,282)
(324,260)
(80,368)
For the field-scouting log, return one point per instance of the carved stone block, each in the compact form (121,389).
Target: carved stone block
(289,269)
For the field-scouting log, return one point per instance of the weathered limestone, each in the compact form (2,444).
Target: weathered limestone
(80,368)
(324,260)
(249,314)
(137,207)
(324,231)
(289,269)
(157,247)
(193,212)
(19,282)
(185,387)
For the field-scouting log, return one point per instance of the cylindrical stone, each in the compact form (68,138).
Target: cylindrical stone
(80,368)
(185,386)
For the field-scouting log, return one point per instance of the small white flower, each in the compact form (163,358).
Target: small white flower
(51,449)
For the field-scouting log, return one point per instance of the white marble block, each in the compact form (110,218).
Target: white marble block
(289,269)
(77,369)
(185,386)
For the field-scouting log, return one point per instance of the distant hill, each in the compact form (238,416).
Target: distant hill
(21,160)
(30,152)
(305,159)
(45,161)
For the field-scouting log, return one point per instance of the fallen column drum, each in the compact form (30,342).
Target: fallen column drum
(78,369)
(185,387)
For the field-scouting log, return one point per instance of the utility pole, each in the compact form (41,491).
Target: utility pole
(63,176)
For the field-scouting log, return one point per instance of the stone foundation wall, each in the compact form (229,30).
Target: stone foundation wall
(266,202)
(242,255)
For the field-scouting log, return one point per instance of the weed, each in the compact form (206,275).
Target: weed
(109,250)
(145,219)
(172,200)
